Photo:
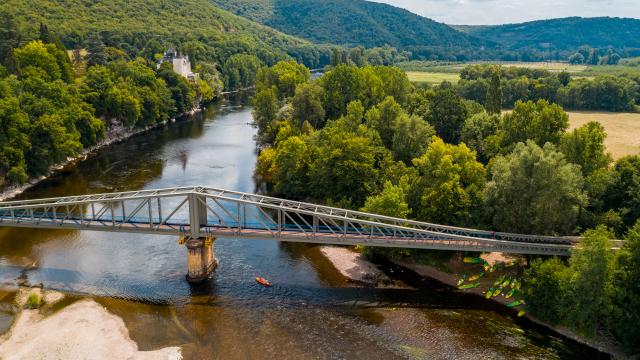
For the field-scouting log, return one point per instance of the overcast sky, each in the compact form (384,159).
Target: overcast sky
(475,12)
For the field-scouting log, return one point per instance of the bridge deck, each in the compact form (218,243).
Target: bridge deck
(200,211)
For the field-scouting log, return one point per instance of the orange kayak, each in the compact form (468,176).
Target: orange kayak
(263,281)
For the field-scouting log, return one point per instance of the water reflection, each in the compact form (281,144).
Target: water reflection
(308,313)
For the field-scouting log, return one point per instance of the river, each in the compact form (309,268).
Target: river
(311,312)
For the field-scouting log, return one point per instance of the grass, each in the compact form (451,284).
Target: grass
(33,301)
(432,77)
(451,68)
(623,130)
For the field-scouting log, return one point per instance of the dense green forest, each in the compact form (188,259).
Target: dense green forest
(366,138)
(372,24)
(564,34)
(363,23)
(602,92)
(145,28)
(53,105)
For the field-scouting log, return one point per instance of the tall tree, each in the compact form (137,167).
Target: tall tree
(307,105)
(342,85)
(493,103)
(624,192)
(265,108)
(538,121)
(534,190)
(411,137)
(449,187)
(545,288)
(10,37)
(284,76)
(479,133)
(590,266)
(584,146)
(96,51)
(447,113)
(292,167)
(383,119)
(625,317)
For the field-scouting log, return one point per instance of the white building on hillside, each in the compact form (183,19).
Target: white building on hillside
(181,63)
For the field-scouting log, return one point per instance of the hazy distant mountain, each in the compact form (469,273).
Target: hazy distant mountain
(563,34)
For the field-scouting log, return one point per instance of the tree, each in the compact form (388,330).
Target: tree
(181,91)
(291,167)
(625,314)
(344,164)
(284,76)
(447,113)
(411,137)
(51,143)
(36,54)
(584,146)
(239,71)
(265,108)
(538,121)
(577,59)
(449,187)
(493,103)
(395,83)
(479,133)
(342,85)
(545,289)
(14,137)
(564,77)
(590,266)
(307,105)
(534,190)
(10,36)
(390,202)
(96,51)
(383,118)
(624,192)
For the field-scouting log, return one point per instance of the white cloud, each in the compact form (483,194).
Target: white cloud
(477,12)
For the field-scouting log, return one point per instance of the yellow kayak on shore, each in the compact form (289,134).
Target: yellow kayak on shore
(489,293)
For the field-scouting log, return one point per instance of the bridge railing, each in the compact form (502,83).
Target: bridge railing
(358,215)
(204,210)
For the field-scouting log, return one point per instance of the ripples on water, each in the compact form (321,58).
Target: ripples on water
(310,312)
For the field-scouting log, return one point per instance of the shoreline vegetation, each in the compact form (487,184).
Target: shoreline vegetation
(360,270)
(365,138)
(113,136)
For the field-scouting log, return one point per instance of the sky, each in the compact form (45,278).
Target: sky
(489,12)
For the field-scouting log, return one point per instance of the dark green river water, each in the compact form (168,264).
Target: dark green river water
(311,312)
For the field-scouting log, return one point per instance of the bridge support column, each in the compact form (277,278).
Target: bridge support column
(200,258)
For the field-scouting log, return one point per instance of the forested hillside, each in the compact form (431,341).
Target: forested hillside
(357,22)
(145,27)
(563,34)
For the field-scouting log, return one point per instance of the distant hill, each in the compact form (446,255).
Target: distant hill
(562,34)
(145,23)
(351,22)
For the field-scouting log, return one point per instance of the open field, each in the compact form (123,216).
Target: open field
(623,130)
(578,71)
(432,77)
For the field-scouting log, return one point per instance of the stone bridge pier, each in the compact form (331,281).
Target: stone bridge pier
(201,260)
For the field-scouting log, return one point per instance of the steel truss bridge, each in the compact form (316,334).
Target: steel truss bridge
(198,212)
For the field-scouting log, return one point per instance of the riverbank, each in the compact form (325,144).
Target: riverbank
(354,266)
(81,330)
(114,135)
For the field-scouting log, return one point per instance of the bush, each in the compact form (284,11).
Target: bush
(33,301)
